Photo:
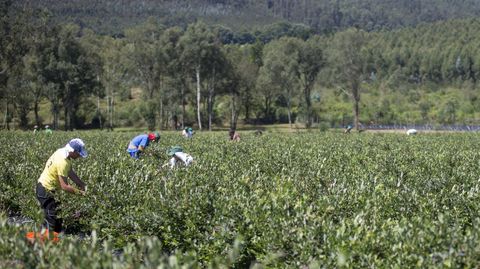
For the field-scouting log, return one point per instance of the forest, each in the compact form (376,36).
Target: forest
(419,68)
(323,16)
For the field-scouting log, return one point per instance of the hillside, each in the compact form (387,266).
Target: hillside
(112,16)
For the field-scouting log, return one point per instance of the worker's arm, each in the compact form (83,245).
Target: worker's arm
(76,179)
(141,148)
(68,188)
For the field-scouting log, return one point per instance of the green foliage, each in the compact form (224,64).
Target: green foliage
(323,16)
(277,200)
(186,74)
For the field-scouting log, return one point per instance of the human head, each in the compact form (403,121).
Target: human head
(154,136)
(76,145)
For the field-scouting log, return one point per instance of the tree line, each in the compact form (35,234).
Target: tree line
(322,16)
(425,74)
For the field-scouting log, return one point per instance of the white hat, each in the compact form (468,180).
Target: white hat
(77,145)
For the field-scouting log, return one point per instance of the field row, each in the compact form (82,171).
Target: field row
(278,200)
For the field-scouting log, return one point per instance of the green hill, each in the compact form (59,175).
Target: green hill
(112,16)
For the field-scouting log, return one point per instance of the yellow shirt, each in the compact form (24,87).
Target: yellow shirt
(57,165)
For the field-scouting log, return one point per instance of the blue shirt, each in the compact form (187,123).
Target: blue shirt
(137,141)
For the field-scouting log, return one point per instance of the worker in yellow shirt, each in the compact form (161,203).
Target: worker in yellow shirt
(54,178)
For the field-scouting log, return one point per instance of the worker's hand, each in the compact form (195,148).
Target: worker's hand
(81,192)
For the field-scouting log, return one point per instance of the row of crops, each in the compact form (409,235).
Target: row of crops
(316,200)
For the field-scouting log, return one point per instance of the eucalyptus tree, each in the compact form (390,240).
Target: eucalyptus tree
(29,82)
(280,68)
(68,74)
(198,46)
(27,34)
(311,61)
(41,67)
(245,65)
(94,47)
(242,80)
(217,79)
(35,62)
(148,65)
(254,54)
(74,72)
(91,66)
(348,60)
(64,72)
(267,92)
(113,73)
(14,31)
(175,71)
(22,97)
(5,39)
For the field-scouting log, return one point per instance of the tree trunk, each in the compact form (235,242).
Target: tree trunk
(289,112)
(247,107)
(355,112)
(356,102)
(98,113)
(211,92)
(112,111)
(108,123)
(308,103)
(35,111)
(55,114)
(183,105)
(234,116)
(210,97)
(110,104)
(197,73)
(5,119)
(66,105)
(161,113)
(65,112)
(71,117)
(267,107)
(175,121)
(150,89)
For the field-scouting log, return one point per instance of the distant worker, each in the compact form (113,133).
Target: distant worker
(187,132)
(234,135)
(53,179)
(178,157)
(35,129)
(48,130)
(138,144)
(348,129)
(411,132)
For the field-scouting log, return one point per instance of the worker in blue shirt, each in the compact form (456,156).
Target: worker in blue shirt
(138,144)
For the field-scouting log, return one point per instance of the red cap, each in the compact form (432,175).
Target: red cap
(151,136)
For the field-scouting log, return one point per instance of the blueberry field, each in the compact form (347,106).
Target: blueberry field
(298,200)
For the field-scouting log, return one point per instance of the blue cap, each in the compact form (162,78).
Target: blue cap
(78,146)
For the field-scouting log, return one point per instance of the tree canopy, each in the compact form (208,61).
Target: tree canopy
(164,76)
